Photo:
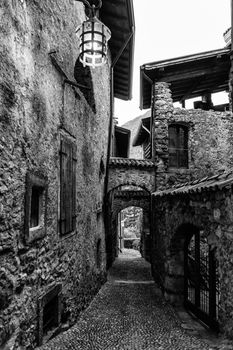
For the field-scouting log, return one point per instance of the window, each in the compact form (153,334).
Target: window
(49,312)
(178,146)
(35,207)
(68,161)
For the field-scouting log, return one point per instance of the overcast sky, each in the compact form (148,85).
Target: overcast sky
(172,28)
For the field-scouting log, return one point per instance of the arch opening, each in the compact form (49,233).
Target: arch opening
(192,274)
(120,198)
(133,231)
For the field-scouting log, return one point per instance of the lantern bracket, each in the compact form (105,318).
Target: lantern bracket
(92,8)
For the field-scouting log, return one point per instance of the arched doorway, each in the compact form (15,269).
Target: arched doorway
(201,280)
(134,230)
(119,198)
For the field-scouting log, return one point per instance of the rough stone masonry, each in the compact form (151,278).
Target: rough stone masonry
(40,268)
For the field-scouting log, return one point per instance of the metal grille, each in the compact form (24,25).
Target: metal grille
(202,290)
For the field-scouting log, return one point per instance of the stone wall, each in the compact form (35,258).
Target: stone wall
(38,108)
(210,139)
(139,177)
(176,215)
(117,201)
(133,172)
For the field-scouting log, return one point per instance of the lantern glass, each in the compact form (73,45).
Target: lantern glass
(93,37)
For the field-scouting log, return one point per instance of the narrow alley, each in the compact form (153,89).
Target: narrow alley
(129,312)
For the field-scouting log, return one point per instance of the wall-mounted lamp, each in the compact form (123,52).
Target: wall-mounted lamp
(93,37)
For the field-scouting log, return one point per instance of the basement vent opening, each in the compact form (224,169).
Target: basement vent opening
(49,314)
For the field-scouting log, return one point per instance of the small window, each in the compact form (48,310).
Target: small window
(36,198)
(68,162)
(50,320)
(49,312)
(178,146)
(35,207)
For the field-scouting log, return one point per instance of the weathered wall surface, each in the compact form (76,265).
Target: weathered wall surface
(139,175)
(209,140)
(117,201)
(123,171)
(174,215)
(36,108)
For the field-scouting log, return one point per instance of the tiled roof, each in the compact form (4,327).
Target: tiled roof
(128,162)
(211,183)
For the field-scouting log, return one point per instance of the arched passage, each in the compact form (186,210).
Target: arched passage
(191,276)
(119,198)
(133,230)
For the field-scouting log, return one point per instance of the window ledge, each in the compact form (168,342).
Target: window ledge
(36,232)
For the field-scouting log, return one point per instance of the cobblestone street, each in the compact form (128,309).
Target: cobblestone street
(129,312)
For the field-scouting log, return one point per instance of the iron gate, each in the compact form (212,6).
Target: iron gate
(201,280)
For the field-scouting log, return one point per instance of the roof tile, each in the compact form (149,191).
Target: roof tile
(128,162)
(210,183)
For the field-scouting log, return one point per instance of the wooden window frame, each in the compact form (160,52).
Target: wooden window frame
(68,160)
(181,153)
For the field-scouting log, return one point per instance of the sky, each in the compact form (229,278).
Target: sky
(173,28)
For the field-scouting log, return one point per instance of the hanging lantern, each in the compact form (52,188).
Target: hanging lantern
(93,37)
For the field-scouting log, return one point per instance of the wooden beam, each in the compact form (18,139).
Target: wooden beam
(171,77)
(177,97)
(183,103)
(192,88)
(147,78)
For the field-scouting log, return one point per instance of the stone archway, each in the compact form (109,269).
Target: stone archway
(131,172)
(119,198)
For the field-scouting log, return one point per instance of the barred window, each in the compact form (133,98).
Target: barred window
(68,161)
(178,146)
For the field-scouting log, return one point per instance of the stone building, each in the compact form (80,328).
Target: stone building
(184,184)
(54,134)
(191,215)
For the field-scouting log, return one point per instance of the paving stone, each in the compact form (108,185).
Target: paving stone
(128,316)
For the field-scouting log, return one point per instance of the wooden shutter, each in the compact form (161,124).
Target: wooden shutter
(68,186)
